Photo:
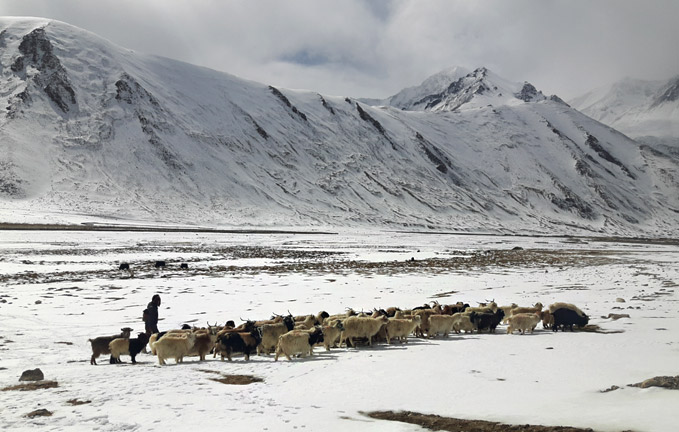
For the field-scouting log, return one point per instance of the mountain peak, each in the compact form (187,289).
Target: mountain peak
(452,88)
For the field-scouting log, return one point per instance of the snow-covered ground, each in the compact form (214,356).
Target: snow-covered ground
(544,378)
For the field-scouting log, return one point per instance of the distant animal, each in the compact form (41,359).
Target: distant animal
(124,266)
(184,266)
(100,344)
(160,264)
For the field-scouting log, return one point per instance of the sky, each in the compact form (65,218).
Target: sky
(373,48)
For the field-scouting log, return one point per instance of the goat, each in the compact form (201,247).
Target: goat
(298,342)
(547,319)
(490,308)
(359,327)
(424,325)
(127,346)
(488,321)
(440,324)
(307,323)
(453,309)
(271,332)
(567,317)
(523,322)
(174,346)
(463,322)
(331,334)
(205,341)
(239,342)
(535,309)
(561,305)
(401,328)
(160,264)
(100,344)
(508,309)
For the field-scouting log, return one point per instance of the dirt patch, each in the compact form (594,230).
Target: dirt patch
(236,379)
(593,328)
(668,382)
(37,385)
(39,413)
(435,422)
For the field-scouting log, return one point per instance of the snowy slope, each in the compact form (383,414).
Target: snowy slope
(93,131)
(637,108)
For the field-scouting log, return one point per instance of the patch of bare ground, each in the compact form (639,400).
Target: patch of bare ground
(668,382)
(75,402)
(233,379)
(439,423)
(323,262)
(39,413)
(36,385)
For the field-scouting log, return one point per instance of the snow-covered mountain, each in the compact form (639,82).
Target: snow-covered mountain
(644,110)
(94,131)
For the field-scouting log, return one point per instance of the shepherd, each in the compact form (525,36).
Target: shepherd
(150,316)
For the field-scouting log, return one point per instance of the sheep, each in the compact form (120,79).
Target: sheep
(463,322)
(127,346)
(561,305)
(535,309)
(100,344)
(298,342)
(359,327)
(174,346)
(547,319)
(331,334)
(271,332)
(239,342)
(523,322)
(439,323)
(401,328)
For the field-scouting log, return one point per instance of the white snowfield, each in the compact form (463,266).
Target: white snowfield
(544,378)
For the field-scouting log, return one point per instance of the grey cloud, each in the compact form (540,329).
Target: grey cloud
(374,48)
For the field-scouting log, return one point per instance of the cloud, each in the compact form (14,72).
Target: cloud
(375,48)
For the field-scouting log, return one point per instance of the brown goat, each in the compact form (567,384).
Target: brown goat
(100,344)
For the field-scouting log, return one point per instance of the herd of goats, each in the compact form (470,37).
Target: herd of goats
(297,335)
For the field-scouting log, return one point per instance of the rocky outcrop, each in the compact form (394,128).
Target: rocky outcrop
(51,77)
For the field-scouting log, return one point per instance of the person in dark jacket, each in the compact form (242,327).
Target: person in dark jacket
(151,314)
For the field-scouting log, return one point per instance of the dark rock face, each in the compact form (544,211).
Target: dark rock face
(32,375)
(669,93)
(528,93)
(37,51)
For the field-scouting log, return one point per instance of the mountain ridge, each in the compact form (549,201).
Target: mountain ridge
(149,139)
